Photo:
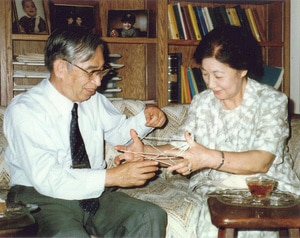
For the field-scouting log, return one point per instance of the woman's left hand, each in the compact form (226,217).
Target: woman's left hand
(194,157)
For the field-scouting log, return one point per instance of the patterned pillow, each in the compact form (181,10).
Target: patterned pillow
(294,144)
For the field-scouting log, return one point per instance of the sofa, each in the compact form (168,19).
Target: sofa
(167,190)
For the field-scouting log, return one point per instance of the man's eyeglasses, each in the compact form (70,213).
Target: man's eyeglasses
(95,73)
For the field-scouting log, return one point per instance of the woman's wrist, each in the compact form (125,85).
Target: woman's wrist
(222,160)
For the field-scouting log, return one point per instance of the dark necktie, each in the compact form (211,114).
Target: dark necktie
(80,159)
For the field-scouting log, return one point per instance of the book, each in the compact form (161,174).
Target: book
(252,23)
(182,21)
(183,98)
(172,23)
(234,16)
(243,18)
(213,17)
(179,56)
(229,16)
(273,76)
(188,20)
(199,79)
(259,25)
(192,82)
(185,26)
(194,21)
(185,81)
(207,19)
(178,21)
(221,14)
(174,84)
(201,20)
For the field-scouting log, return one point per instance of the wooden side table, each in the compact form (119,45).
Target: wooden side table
(230,218)
(21,225)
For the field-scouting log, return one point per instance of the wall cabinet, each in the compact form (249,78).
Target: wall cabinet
(145,75)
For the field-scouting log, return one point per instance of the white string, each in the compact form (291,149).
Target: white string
(155,156)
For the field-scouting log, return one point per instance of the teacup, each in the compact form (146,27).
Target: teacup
(261,186)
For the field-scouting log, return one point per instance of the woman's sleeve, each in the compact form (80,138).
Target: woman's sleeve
(273,128)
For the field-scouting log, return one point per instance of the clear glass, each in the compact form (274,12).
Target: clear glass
(260,187)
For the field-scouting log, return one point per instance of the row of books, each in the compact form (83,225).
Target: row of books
(183,82)
(190,22)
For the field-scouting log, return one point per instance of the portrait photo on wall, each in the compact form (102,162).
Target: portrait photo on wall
(67,13)
(128,23)
(29,17)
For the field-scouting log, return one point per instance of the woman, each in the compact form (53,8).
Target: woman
(239,126)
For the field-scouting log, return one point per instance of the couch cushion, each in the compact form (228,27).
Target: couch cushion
(294,144)
(171,194)
(4,170)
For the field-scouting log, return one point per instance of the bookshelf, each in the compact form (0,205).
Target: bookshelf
(274,16)
(145,75)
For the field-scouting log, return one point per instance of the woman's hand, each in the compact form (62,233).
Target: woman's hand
(129,151)
(194,157)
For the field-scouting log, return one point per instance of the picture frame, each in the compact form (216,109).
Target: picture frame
(116,18)
(75,12)
(26,20)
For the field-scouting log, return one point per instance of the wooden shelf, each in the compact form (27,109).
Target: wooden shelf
(196,42)
(27,37)
(145,75)
(132,40)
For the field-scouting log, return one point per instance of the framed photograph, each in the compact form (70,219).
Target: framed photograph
(73,12)
(128,23)
(29,17)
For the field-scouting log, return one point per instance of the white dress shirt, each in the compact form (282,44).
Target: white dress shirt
(37,125)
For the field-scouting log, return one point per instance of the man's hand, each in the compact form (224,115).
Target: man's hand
(131,174)
(155,117)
